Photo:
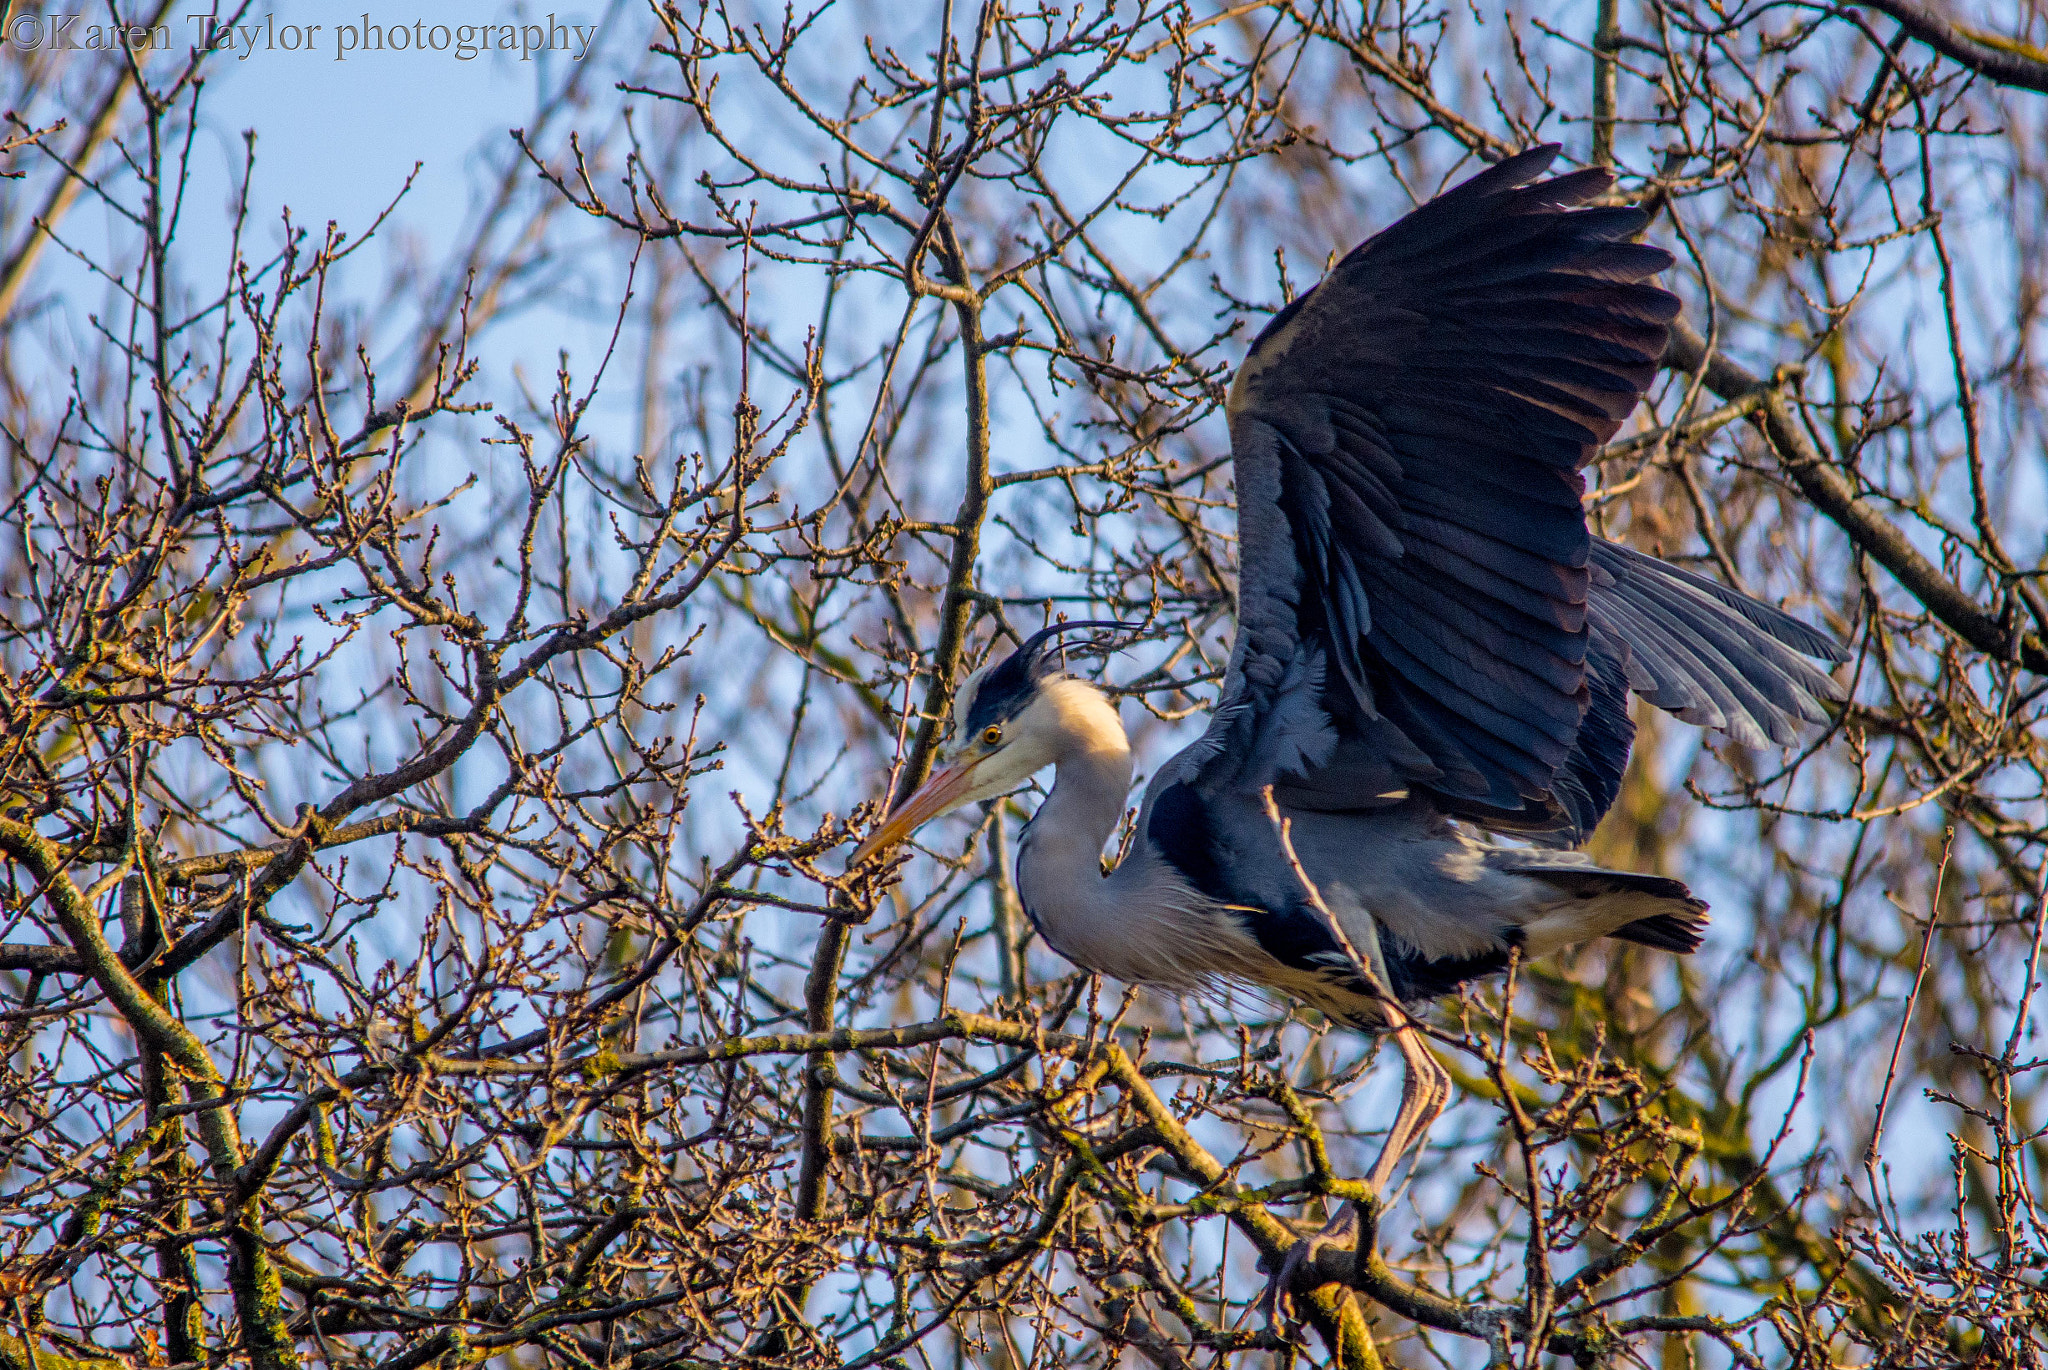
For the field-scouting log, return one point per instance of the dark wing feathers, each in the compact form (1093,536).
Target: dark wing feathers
(1419,602)
(1548,652)
(1776,624)
(1467,565)
(1521,483)
(1591,776)
(1702,643)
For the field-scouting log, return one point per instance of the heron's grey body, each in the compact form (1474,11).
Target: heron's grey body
(1430,646)
(1440,904)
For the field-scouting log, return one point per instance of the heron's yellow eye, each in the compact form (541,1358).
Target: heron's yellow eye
(991,735)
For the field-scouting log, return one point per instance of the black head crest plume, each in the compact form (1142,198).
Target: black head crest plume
(1001,690)
(1033,657)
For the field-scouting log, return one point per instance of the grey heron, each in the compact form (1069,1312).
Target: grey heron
(1432,650)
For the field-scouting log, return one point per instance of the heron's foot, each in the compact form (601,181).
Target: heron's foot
(1335,1246)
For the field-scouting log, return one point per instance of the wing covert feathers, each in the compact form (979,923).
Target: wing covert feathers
(1420,602)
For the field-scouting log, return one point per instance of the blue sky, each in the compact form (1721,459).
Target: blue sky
(338,135)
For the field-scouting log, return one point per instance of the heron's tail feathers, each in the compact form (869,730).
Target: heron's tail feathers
(1665,932)
(1651,910)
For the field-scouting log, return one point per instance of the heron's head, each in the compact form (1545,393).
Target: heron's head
(1010,721)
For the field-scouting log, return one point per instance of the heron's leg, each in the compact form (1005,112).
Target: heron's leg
(1425,1090)
(1425,1086)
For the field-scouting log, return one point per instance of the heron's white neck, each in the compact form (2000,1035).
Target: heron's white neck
(1116,924)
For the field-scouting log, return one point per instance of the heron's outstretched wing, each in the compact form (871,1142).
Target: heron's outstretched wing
(1709,654)
(1420,604)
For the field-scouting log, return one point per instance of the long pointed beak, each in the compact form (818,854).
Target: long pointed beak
(946,790)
